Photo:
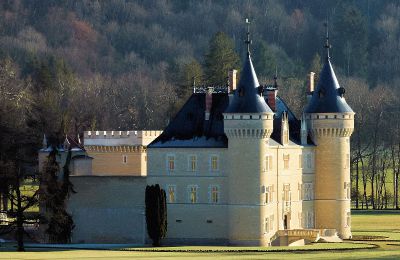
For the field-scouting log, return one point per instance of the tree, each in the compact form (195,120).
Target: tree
(156,213)
(54,192)
(265,62)
(220,58)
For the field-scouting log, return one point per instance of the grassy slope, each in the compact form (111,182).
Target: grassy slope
(369,222)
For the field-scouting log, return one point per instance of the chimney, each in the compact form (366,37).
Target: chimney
(232,76)
(208,102)
(271,98)
(310,86)
(310,83)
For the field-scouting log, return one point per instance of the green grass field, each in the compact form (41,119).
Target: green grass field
(381,228)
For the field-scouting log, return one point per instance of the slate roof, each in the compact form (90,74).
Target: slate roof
(189,127)
(247,98)
(327,97)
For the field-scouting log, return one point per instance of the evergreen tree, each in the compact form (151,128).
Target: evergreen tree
(220,58)
(156,213)
(54,194)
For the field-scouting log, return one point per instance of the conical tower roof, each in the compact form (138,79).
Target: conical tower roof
(247,97)
(328,96)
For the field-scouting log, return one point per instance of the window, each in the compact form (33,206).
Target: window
(347,190)
(214,163)
(300,161)
(266,227)
(214,198)
(308,191)
(268,194)
(348,219)
(268,163)
(286,192)
(308,219)
(286,161)
(124,159)
(193,194)
(192,163)
(171,163)
(309,162)
(171,193)
(271,221)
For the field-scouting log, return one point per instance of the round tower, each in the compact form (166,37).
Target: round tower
(331,123)
(248,124)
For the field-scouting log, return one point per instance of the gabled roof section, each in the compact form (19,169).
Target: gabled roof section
(328,95)
(247,97)
(189,128)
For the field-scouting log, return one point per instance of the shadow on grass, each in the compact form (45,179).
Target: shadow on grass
(375,212)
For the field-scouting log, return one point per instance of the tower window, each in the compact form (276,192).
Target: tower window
(268,163)
(266,227)
(348,219)
(125,159)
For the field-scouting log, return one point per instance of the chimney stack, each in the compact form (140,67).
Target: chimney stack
(310,85)
(232,76)
(208,102)
(271,98)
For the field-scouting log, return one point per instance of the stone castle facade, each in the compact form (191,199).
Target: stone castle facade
(238,168)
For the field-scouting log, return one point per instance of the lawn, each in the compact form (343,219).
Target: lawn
(366,224)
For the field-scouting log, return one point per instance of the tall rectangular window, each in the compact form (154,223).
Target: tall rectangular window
(308,191)
(286,192)
(286,161)
(268,194)
(192,163)
(348,219)
(171,163)
(125,159)
(266,227)
(347,190)
(171,193)
(268,162)
(193,194)
(309,162)
(214,198)
(214,163)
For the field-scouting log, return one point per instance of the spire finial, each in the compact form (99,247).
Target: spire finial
(327,46)
(248,41)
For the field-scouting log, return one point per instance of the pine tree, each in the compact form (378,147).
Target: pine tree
(156,213)
(220,58)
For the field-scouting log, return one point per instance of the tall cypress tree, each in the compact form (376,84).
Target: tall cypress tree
(156,213)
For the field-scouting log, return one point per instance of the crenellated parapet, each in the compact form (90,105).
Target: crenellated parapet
(117,138)
(116,149)
(330,124)
(258,126)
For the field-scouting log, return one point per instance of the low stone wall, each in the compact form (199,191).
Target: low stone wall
(108,209)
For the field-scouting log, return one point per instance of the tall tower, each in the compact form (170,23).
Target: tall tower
(248,124)
(331,123)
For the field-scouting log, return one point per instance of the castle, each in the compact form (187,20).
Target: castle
(237,166)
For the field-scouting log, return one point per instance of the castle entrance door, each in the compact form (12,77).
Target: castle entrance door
(286,221)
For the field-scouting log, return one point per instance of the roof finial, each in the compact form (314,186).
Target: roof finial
(327,46)
(248,41)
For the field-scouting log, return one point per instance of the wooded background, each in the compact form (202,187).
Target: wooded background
(70,66)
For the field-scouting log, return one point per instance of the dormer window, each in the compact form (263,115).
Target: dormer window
(321,93)
(241,92)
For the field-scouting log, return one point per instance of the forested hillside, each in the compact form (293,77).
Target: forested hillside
(69,66)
